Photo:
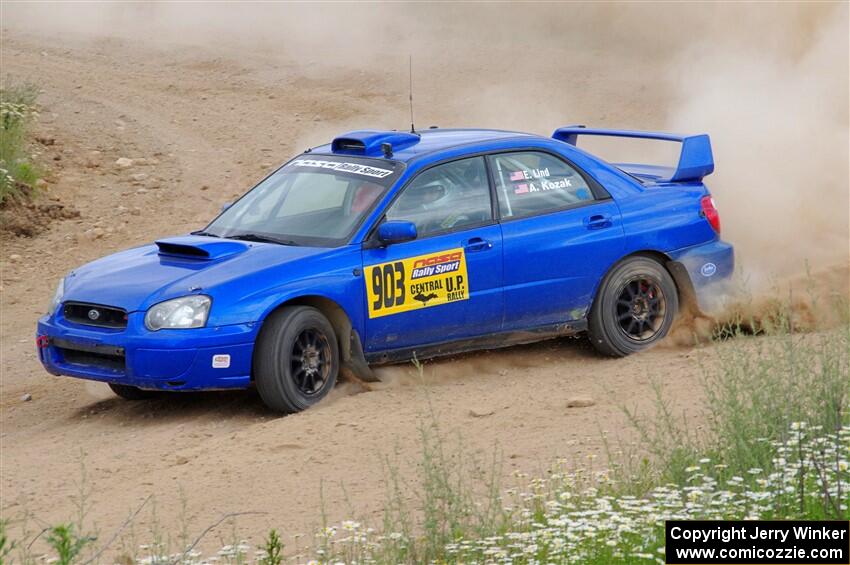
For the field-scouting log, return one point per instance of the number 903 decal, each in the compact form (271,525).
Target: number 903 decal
(416,282)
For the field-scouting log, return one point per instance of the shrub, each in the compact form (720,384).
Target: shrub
(18,173)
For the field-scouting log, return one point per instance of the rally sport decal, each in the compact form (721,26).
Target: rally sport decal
(416,282)
(353,168)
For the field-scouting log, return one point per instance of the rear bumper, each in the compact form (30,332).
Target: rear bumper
(196,359)
(705,271)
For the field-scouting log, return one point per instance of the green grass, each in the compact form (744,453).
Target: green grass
(273,550)
(7,546)
(755,389)
(775,445)
(66,543)
(18,172)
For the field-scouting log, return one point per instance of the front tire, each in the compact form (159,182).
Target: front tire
(634,308)
(296,361)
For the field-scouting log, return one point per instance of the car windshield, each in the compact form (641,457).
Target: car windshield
(311,201)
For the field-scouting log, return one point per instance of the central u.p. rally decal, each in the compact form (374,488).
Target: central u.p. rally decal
(416,282)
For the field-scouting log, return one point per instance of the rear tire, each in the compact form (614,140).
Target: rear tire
(296,361)
(128,392)
(634,308)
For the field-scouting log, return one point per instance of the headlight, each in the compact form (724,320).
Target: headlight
(180,313)
(57,298)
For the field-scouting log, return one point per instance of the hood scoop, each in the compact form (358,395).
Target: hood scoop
(199,247)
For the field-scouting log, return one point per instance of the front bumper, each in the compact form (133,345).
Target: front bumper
(707,269)
(194,359)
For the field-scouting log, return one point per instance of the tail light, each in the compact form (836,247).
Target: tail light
(709,212)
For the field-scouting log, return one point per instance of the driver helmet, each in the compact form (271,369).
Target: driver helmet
(430,194)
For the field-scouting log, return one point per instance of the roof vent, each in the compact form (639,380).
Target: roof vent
(343,144)
(369,142)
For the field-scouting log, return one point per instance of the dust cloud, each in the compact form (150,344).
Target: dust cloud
(768,82)
(779,126)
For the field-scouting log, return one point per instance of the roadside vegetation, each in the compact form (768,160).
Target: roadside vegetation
(18,172)
(775,445)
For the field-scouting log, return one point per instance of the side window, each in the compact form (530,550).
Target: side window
(530,183)
(447,197)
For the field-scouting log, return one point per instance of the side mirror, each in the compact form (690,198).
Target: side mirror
(225,206)
(396,232)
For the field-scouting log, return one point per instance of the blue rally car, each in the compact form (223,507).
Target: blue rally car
(386,245)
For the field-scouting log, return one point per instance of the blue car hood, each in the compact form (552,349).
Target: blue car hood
(137,278)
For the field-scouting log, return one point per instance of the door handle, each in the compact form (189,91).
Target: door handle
(477,244)
(598,221)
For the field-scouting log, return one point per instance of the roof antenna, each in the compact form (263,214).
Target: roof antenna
(410,70)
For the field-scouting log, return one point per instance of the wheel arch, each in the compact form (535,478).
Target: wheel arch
(352,359)
(684,286)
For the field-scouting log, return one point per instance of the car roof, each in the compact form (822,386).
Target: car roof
(409,146)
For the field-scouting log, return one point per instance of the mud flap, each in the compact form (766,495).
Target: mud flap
(354,367)
(688,302)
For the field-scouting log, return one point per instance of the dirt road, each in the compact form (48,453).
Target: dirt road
(202,125)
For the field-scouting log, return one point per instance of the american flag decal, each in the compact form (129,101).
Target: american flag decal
(521,189)
(519,175)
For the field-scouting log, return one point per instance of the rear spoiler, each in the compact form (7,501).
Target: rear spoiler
(695,159)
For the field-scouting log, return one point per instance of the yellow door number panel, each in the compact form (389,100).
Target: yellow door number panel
(416,282)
